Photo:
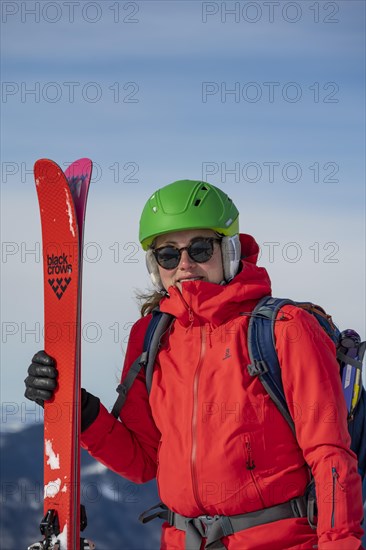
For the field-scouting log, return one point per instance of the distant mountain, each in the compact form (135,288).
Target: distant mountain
(112,503)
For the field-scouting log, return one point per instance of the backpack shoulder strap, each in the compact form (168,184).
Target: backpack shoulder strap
(262,352)
(156,328)
(152,342)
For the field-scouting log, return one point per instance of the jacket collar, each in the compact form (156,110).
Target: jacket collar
(202,302)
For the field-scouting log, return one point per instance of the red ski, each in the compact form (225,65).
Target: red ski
(62,202)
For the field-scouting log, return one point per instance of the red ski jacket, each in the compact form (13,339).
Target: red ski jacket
(213,437)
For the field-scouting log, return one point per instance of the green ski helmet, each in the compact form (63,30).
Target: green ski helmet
(184,205)
(187,204)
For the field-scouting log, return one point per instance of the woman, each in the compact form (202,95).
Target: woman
(228,467)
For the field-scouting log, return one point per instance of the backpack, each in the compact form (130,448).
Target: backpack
(264,363)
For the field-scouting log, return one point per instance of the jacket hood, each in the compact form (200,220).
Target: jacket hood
(201,302)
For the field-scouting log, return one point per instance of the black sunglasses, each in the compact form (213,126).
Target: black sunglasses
(200,250)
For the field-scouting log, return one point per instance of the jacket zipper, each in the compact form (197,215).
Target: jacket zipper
(336,482)
(187,306)
(250,466)
(194,422)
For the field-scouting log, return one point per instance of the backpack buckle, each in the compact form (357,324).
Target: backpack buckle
(257,368)
(121,389)
(205,523)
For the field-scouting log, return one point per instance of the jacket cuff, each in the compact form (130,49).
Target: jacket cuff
(90,406)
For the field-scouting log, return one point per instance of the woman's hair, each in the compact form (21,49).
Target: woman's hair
(148,301)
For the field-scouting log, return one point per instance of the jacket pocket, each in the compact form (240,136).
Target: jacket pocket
(336,487)
(250,465)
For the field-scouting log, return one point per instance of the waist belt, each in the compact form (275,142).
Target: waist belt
(213,528)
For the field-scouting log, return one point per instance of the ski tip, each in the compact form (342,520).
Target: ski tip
(81,166)
(46,169)
(43,161)
(84,160)
(79,171)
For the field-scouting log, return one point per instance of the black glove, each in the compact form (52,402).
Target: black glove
(41,383)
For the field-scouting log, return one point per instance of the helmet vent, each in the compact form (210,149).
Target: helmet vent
(197,202)
(204,188)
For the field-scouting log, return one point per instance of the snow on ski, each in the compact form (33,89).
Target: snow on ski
(62,202)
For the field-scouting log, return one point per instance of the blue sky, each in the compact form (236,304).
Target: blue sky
(293,132)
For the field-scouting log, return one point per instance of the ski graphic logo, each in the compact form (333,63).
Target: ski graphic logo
(57,265)
(59,285)
(75,184)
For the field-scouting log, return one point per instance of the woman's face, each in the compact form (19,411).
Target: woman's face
(187,269)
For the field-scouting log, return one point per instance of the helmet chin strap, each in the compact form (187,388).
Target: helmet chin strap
(230,252)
